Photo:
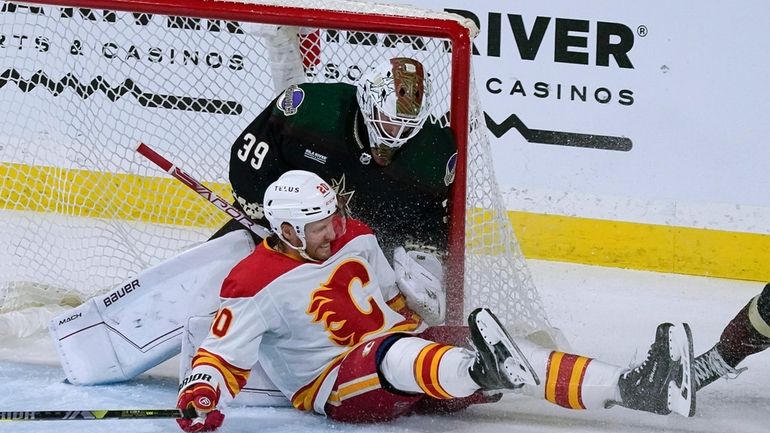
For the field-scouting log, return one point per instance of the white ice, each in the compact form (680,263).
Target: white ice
(604,312)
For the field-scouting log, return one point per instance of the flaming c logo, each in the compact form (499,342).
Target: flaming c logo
(333,305)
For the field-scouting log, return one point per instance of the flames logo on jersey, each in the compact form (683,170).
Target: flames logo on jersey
(333,305)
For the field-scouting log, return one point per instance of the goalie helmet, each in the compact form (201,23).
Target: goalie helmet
(298,198)
(394,101)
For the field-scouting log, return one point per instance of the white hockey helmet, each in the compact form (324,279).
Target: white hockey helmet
(298,197)
(394,94)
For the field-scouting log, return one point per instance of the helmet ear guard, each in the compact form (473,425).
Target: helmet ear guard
(394,99)
(298,198)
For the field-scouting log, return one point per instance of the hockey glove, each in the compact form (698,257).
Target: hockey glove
(420,278)
(203,398)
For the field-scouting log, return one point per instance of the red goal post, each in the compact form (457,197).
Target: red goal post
(454,32)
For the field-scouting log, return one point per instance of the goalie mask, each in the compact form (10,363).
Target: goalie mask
(299,198)
(394,101)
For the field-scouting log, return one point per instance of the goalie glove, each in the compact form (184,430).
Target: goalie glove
(200,392)
(420,278)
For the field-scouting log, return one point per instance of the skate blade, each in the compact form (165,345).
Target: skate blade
(681,398)
(521,371)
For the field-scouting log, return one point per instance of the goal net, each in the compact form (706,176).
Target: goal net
(83,81)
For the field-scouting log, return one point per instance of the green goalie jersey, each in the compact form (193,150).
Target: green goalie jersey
(319,128)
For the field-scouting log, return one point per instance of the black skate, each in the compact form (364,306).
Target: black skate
(663,382)
(499,362)
(710,366)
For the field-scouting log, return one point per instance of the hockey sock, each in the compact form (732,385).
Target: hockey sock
(578,382)
(749,332)
(416,365)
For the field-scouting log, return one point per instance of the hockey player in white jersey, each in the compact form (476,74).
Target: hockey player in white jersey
(341,333)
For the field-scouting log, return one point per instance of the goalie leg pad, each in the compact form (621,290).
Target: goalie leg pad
(84,345)
(139,324)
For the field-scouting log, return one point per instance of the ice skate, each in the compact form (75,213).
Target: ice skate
(499,362)
(663,382)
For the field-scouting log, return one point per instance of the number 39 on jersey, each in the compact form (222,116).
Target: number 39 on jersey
(252,151)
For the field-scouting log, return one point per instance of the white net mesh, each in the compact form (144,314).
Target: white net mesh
(79,88)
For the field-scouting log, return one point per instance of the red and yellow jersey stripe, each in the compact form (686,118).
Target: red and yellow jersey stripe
(235,378)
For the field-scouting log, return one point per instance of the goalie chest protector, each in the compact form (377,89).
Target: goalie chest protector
(318,127)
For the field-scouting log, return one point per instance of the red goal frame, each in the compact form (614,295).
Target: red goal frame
(461,51)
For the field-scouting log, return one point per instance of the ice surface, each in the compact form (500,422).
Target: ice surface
(604,312)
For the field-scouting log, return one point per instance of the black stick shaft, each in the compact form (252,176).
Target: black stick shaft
(202,190)
(58,415)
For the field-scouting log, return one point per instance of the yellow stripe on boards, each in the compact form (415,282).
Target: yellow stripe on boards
(161,200)
(651,247)
(164,200)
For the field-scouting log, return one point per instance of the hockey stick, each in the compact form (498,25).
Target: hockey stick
(201,189)
(58,415)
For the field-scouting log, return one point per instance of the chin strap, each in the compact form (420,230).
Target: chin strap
(356,132)
(300,250)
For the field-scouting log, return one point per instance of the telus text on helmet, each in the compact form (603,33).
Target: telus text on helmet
(572,38)
(285,188)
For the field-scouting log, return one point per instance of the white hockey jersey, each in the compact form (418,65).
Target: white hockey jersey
(299,319)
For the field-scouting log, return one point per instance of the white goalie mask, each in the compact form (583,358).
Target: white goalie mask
(394,100)
(298,198)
